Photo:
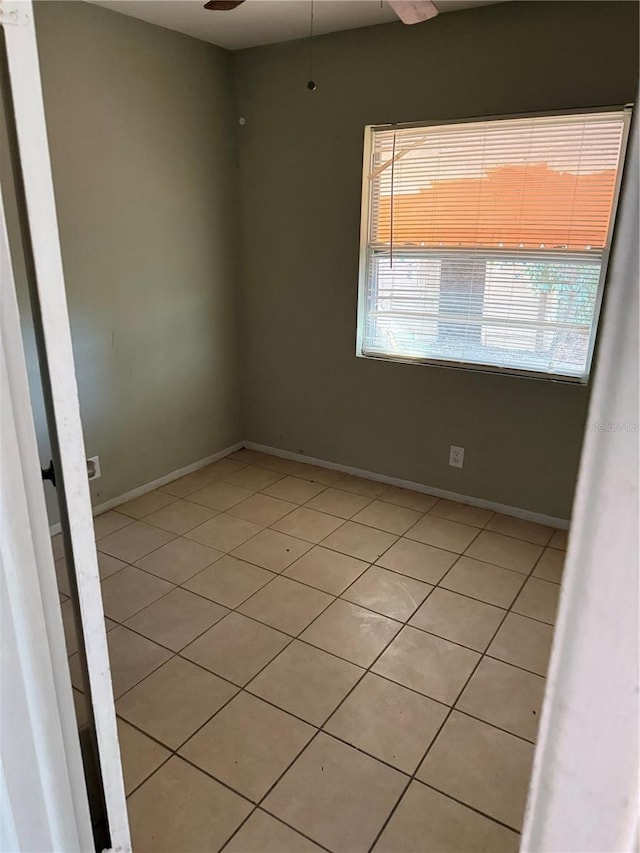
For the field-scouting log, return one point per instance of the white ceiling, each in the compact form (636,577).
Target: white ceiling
(267,21)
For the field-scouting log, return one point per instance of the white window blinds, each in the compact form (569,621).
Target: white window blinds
(485,243)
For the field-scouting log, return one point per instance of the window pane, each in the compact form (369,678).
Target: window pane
(486,240)
(528,313)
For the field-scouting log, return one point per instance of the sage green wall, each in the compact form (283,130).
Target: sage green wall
(142,135)
(301,166)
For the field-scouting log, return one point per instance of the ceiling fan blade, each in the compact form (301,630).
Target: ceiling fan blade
(222,5)
(413,11)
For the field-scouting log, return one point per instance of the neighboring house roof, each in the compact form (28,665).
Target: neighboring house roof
(511,206)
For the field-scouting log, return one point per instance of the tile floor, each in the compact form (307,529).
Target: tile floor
(304,660)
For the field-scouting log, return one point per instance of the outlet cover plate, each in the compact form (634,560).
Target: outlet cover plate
(456,456)
(93,468)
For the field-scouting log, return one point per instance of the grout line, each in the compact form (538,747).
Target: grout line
(403,624)
(292,638)
(321,728)
(257,808)
(452,708)
(345,520)
(300,639)
(468,806)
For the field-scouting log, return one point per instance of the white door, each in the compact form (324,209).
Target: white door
(44,801)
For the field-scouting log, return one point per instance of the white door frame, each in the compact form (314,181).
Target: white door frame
(584,789)
(58,372)
(43,798)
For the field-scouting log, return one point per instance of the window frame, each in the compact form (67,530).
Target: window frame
(364,253)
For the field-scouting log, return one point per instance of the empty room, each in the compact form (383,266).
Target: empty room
(319,493)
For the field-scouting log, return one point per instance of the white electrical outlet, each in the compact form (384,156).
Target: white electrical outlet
(456,456)
(93,468)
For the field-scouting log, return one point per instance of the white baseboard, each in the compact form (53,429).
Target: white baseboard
(516,512)
(155,484)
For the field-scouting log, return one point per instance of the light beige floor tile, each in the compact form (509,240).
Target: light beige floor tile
(360,541)
(408,498)
(106,523)
(176,619)
(351,632)
(108,565)
(129,590)
(559,540)
(229,581)
(180,808)
(262,509)
(306,681)
(504,696)
(428,664)
(131,657)
(484,581)
(388,721)
(464,513)
(57,545)
(224,532)
(326,570)
(550,565)
(389,517)
(278,463)
(389,593)
(254,478)
(523,642)
(308,524)
(62,576)
(286,605)
(272,550)
(134,541)
(538,534)
(80,707)
(317,474)
(264,834)
(459,619)
(236,648)
(140,755)
(360,486)
(174,701)
(539,600)
(220,495)
(146,504)
(336,795)
(294,489)
(426,820)
(482,766)
(190,483)
(246,456)
(223,468)
(422,562)
(180,516)
(504,551)
(339,503)
(69,625)
(248,745)
(442,533)
(179,560)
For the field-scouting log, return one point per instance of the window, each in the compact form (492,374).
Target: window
(485,244)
